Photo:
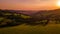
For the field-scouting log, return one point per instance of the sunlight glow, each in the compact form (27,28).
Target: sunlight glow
(58,3)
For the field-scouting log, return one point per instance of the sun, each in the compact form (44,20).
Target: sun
(58,3)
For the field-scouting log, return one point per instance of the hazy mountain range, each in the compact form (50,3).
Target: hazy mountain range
(32,12)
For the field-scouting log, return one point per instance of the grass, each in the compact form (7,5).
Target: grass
(26,29)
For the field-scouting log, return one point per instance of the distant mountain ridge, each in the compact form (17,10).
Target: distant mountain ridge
(29,12)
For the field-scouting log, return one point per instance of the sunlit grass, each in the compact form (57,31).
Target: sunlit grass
(25,29)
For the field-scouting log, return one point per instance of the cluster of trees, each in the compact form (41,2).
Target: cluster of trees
(9,18)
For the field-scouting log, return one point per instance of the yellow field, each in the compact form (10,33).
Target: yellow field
(26,29)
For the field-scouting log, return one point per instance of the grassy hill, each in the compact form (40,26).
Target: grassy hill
(25,29)
(21,23)
(15,17)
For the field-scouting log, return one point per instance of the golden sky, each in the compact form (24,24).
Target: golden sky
(28,4)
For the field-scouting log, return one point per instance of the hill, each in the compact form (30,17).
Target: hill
(18,17)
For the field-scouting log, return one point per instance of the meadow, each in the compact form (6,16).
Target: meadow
(26,29)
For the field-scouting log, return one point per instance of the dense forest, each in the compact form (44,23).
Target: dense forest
(41,17)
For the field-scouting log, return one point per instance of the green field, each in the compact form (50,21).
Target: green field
(26,29)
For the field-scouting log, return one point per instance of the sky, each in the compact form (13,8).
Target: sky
(28,4)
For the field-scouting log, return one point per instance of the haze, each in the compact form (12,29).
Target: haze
(28,4)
